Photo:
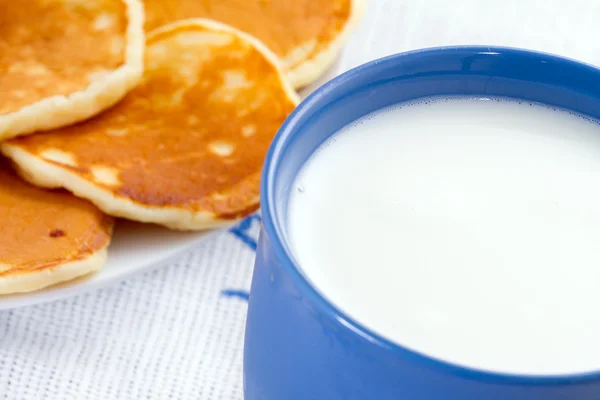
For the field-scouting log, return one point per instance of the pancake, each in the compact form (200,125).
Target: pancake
(62,61)
(185,148)
(46,237)
(307,35)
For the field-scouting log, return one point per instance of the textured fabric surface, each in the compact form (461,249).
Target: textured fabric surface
(177,332)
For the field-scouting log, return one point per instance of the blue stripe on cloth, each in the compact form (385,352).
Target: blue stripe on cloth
(240,294)
(242,231)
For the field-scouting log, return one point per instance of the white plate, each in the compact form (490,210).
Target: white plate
(135,248)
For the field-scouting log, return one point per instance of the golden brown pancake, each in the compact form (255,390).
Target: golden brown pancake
(62,61)
(307,35)
(46,237)
(185,148)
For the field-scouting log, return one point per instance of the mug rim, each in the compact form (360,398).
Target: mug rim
(292,126)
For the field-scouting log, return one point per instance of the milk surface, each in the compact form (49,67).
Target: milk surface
(464,229)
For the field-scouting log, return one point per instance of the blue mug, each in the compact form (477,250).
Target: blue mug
(298,346)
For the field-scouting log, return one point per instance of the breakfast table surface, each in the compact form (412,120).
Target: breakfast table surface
(177,332)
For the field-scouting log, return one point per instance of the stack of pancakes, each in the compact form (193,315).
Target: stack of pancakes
(166,121)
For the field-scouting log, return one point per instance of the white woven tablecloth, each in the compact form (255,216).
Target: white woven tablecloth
(177,332)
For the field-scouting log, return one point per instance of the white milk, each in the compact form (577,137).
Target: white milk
(464,229)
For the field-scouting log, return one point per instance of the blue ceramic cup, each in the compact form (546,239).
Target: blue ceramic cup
(298,345)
